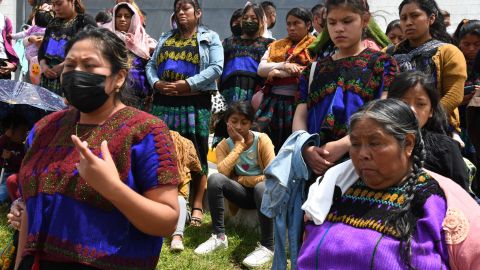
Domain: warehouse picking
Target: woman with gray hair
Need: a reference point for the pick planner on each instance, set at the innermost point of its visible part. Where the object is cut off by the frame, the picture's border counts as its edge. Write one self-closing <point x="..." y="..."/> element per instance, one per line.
<point x="391" y="209"/>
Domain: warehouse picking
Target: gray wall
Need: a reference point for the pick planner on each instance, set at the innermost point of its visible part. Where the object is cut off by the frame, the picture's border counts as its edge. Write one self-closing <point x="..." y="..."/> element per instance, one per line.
<point x="216" y="13"/>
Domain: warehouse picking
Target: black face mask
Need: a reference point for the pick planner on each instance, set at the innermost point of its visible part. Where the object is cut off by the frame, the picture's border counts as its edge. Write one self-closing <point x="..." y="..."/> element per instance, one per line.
<point x="250" y="28"/>
<point x="84" y="91"/>
<point x="236" y="29"/>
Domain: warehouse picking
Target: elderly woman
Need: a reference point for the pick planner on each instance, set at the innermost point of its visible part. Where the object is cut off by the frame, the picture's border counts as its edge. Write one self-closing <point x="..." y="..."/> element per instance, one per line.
<point x="183" y="72"/>
<point x="128" y="27"/>
<point x="392" y="212"/>
<point x="100" y="179"/>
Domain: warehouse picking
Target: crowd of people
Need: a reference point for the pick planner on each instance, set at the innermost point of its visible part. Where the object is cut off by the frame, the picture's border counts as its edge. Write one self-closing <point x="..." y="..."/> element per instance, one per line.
<point x="358" y="148"/>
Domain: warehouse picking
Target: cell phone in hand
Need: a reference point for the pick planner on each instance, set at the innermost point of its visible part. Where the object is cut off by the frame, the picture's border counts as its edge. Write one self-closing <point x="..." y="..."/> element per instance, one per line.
<point x="467" y="90"/>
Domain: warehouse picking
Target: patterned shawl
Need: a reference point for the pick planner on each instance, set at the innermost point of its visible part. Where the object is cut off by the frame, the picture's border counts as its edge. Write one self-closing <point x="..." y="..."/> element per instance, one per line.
<point x="279" y="51"/>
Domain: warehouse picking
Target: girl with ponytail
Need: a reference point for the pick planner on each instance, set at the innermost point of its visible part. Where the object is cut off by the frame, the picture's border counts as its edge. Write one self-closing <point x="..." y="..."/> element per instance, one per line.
<point x="392" y="211"/>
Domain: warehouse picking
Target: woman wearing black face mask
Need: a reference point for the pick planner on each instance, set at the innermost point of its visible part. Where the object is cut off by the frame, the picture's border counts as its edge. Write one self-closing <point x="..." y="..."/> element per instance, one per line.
<point x="109" y="171"/>
<point x="242" y="56"/>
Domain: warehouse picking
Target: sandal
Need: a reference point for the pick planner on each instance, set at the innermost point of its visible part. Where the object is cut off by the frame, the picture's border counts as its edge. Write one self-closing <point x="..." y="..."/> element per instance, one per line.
<point x="196" y="221"/>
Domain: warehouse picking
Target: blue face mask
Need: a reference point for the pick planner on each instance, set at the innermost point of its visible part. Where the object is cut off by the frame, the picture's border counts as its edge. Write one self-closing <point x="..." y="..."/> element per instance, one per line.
<point x="84" y="91"/>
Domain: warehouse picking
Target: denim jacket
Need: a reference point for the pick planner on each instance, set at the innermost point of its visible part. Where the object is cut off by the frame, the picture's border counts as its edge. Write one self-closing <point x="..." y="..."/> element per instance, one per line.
<point x="211" y="60"/>
<point x="285" y="179"/>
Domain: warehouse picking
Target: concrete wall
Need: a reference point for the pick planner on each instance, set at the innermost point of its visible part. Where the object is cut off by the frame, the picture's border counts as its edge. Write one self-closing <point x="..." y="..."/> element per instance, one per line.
<point x="9" y="9"/>
<point x="217" y="12"/>
<point x="458" y="9"/>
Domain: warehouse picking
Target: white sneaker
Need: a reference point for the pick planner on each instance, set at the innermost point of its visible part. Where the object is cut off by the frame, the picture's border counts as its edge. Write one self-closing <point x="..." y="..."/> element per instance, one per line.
<point x="258" y="257"/>
<point x="212" y="244"/>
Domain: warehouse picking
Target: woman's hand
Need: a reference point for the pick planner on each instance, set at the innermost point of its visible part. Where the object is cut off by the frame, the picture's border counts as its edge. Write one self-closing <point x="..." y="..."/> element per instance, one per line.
<point x="100" y="173"/>
<point x="272" y="75"/>
<point x="335" y="151"/>
<point x="14" y="218"/>
<point x="177" y="88"/>
<point x="293" y="69"/>
<point x="9" y="67"/>
<point x="37" y="40"/>
<point x="129" y="38"/>
<point x="234" y="135"/>
<point x="467" y="98"/>
<point x="315" y="157"/>
<point x="58" y="69"/>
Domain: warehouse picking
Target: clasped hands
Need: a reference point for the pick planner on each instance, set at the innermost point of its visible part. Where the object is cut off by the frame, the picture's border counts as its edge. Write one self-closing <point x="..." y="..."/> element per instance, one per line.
<point x="172" y="88"/>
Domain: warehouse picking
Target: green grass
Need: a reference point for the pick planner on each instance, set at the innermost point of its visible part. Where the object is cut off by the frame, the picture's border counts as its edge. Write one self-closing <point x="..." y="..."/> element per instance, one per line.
<point x="241" y="241"/>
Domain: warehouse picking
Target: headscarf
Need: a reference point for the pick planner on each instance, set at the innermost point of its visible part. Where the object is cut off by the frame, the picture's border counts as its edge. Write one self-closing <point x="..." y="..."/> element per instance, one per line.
<point x="136" y="39"/>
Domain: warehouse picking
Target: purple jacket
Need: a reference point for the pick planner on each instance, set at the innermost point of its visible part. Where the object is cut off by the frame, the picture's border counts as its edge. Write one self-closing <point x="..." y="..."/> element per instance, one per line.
<point x="12" y="56"/>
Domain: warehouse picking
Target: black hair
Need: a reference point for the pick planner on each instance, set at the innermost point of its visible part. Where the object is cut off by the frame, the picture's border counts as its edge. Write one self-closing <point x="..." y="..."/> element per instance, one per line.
<point x="392" y="25"/>
<point x="194" y="3"/>
<point x="103" y="17"/>
<point x="79" y="6"/>
<point x="14" y="121"/>
<point x="301" y="13"/>
<point x="241" y="107"/>
<point x="397" y="119"/>
<point x="466" y="27"/>
<point x="358" y="6"/>
<point x="266" y="4"/>
<point x="236" y="14"/>
<point x="406" y="80"/>
<point x="113" y="50"/>
<point x="317" y="8"/>
<point x="437" y="30"/>
<point x="125" y="6"/>
<point x="476" y="66"/>
<point x="43" y="18"/>
<point x="259" y="12"/>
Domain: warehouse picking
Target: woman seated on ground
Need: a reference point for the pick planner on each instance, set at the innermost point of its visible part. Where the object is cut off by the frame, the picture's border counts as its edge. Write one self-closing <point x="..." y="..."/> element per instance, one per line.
<point x="188" y="165"/>
<point x="392" y="212"/>
<point x="241" y="161"/>
<point x="443" y="153"/>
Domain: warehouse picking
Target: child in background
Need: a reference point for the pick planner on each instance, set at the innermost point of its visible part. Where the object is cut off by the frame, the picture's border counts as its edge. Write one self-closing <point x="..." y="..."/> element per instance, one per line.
<point x="32" y="38"/>
<point x="12" y="150"/>
<point x="241" y="160"/>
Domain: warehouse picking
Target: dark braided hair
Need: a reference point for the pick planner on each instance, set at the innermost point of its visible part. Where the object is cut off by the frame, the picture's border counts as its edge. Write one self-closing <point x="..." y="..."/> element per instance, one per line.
<point x="398" y="120"/>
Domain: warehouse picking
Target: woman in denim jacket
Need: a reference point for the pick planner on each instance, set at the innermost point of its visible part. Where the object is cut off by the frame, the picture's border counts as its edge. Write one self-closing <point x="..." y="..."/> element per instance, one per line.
<point x="182" y="71"/>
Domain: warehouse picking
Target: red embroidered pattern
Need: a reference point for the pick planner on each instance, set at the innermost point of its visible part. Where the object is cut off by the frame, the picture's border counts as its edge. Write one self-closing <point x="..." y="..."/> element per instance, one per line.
<point x="49" y="165"/>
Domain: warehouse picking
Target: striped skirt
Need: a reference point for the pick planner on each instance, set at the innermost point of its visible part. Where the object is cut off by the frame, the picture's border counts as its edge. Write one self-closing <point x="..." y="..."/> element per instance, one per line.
<point x="189" y="116"/>
<point x="275" y="117"/>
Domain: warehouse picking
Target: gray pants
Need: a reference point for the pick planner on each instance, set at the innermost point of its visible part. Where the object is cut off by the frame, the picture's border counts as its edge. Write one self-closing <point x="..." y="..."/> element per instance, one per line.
<point x="182" y="217"/>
